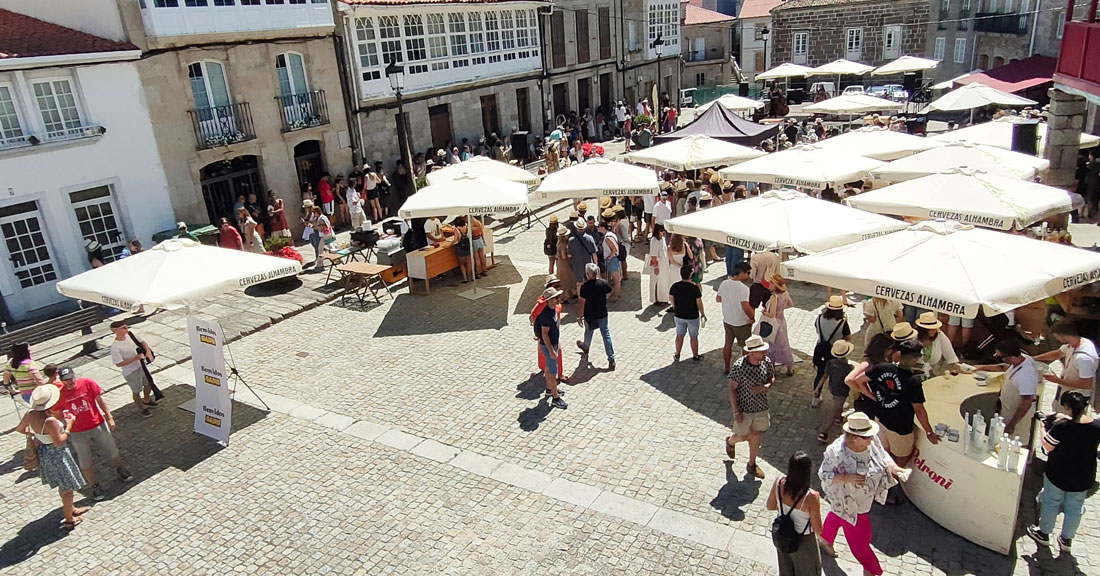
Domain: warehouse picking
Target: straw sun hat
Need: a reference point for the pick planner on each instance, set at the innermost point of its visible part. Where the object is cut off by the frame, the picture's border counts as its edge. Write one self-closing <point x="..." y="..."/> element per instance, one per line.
<point x="928" y="321"/>
<point x="756" y="344"/>
<point x="859" y="424"/>
<point x="44" y="397"/>
<point x="835" y="303"/>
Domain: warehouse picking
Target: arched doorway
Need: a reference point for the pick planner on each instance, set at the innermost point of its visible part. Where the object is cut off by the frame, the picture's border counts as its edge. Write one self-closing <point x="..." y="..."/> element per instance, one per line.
<point x="223" y="181"/>
<point x="309" y="163"/>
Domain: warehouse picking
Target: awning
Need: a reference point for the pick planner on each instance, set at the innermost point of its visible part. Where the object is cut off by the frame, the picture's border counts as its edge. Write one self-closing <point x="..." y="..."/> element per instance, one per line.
<point x="1016" y="76"/>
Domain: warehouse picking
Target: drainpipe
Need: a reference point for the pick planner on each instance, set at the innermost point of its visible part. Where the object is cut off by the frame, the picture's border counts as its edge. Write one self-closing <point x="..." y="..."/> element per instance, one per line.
<point x="1034" y="18"/>
<point x="545" y="72"/>
<point x="351" y="96"/>
<point x="622" y="52"/>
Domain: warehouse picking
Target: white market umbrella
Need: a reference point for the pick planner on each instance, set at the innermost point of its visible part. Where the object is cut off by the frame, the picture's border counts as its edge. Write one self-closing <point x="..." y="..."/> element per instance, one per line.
<point x="969" y="197"/>
<point x="598" y="177"/>
<point x="840" y="67"/>
<point x="174" y="274"/>
<point x="853" y="104"/>
<point x="905" y="64"/>
<point x="948" y="84"/>
<point x="787" y="70"/>
<point x="781" y="219"/>
<point x="467" y="195"/>
<point x="951" y="268"/>
<point x="976" y="95"/>
<point x="804" y="166"/>
<point x="959" y="155"/>
<point x="998" y="133"/>
<point x="733" y="103"/>
<point x="878" y="143"/>
<point x="694" y="152"/>
<point x="483" y="166"/>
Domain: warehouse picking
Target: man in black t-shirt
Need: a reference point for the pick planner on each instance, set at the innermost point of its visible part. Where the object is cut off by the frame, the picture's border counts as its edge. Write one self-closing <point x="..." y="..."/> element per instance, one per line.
<point x="592" y="311"/>
<point x="1071" y="445"/>
<point x="547" y="331"/>
<point x="687" y="303"/>
<point x="899" y="397"/>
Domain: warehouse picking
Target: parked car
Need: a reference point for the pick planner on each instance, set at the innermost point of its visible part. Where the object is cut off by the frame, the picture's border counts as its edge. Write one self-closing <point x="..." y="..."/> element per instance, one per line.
<point x="851" y="90"/>
<point x="896" y="92"/>
<point x="878" y="92"/>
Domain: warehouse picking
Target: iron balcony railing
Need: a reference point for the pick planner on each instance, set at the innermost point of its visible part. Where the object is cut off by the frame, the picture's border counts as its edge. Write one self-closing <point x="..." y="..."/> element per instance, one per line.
<point x="305" y="110"/>
<point x="1001" y="23"/>
<point x="222" y="125"/>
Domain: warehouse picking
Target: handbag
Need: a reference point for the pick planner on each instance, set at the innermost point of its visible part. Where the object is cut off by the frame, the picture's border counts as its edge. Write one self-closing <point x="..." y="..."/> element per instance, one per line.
<point x="30" y="456"/>
<point x="766" y="328"/>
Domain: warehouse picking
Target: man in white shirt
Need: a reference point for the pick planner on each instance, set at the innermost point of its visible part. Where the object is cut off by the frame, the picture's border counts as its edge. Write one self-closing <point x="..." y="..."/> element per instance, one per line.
<point x="662" y="210"/>
<point x="433" y="229"/>
<point x="1079" y="361"/>
<point x="355" y="206"/>
<point x="737" y="314"/>
<point x="124" y="354"/>
<point x="1019" y="390"/>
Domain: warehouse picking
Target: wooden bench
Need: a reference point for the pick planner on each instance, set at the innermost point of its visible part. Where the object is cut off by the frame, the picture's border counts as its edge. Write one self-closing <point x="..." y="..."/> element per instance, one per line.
<point x="80" y="321"/>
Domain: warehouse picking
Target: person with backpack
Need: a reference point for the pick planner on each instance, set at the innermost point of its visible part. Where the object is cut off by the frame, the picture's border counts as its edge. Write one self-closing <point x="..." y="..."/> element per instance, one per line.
<point x="830" y="326"/>
<point x="799" y="520"/>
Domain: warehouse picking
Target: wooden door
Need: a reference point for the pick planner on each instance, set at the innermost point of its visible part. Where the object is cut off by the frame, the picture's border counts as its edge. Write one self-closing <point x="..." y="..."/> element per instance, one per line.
<point x="440" y="119"/>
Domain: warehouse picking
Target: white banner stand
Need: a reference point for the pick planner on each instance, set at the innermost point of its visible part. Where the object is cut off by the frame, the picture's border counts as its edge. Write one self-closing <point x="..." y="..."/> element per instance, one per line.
<point x="213" y="404"/>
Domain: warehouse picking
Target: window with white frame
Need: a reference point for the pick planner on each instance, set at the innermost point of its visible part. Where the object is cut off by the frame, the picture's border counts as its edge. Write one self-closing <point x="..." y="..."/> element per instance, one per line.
<point x="1061" y="29"/>
<point x="365" y="43"/>
<point x="415" y="50"/>
<point x="508" y="34"/>
<point x="801" y="49"/>
<point x="854" y="43"/>
<point x="492" y="35"/>
<point x="664" y="21"/>
<point x="57" y="105"/>
<point x="993" y="6"/>
<point x="945" y="7"/>
<point x="966" y="6"/>
<point x="1024" y="7"/>
<point x="940" y="48"/>
<point x="457" y="23"/>
<point x="1010" y="6"/>
<point x="477" y="38"/>
<point x="632" y="36"/>
<point x="891" y="41"/>
<point x="208" y="84"/>
<point x="758" y="32"/>
<point x="389" y="32"/>
<point x="523" y="39"/>
<point x="437" y="42"/>
<point x="292" y="74"/>
<point x="11" y="129"/>
<point x="960" y="50"/>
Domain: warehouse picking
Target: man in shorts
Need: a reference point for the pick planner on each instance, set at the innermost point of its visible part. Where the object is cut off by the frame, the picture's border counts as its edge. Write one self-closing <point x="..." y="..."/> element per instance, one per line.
<point x="899" y="397"/>
<point x="547" y="331"/>
<point x="749" y="380"/>
<point x="737" y="314"/>
<point x="124" y="354"/>
<point x="93" y="424"/>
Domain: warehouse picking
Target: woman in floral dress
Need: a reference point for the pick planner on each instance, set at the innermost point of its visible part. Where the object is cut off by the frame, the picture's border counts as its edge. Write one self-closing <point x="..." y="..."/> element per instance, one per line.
<point x="780" y="350"/>
<point x="56" y="466"/>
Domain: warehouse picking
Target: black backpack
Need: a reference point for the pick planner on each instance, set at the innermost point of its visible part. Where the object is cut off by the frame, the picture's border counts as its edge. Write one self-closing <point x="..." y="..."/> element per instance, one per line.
<point x="784" y="536"/>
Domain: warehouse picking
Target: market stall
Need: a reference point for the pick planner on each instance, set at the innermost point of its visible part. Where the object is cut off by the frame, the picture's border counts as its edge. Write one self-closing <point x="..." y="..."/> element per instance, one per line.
<point x="694" y="152"/>
<point x="852" y="104"/>
<point x="733" y="103"/>
<point x="998" y="133"/>
<point x="879" y="143"/>
<point x="597" y="177"/>
<point x="804" y="166"/>
<point x="961" y="154"/>
<point x="976" y="95"/>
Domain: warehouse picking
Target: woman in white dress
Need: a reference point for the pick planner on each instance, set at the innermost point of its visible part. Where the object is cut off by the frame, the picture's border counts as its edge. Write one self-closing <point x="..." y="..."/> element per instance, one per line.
<point x="253" y="242"/>
<point x="660" y="270"/>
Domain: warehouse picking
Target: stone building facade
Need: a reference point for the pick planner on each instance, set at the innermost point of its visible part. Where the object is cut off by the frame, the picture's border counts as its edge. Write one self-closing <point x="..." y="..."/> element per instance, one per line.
<point x="706" y="47"/>
<point x="815" y="32"/>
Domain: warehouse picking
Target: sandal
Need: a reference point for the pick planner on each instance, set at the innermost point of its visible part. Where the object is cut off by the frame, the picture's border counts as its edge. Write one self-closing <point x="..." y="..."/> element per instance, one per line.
<point x="70" y="524"/>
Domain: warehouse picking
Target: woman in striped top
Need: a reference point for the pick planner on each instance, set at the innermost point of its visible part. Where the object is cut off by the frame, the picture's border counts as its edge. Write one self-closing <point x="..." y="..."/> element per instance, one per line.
<point x="21" y="372"/>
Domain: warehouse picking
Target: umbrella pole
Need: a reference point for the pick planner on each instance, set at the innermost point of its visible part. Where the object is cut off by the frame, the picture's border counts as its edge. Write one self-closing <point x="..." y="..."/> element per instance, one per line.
<point x="473" y="260"/>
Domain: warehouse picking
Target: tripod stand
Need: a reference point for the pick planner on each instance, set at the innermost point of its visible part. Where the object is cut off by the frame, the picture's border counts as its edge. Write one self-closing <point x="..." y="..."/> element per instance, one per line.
<point x="235" y="374"/>
<point x="519" y="215"/>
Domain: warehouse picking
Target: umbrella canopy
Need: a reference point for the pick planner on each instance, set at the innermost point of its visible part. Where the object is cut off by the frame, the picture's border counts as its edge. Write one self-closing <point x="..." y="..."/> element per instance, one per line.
<point x="466" y="195"/>
<point x="905" y="64"/>
<point x="960" y="154"/>
<point x="734" y="103"/>
<point x="970" y="197"/>
<point x="787" y="70"/>
<point x="998" y="133"/>
<point x="174" y="274"/>
<point x="783" y="219"/>
<point x="975" y="96"/>
<point x="805" y="166"/>
<point x="694" y="152"/>
<point x="853" y="104"/>
<point x="598" y="177"/>
<point x="841" y="66"/>
<point x="483" y="166"/>
<point x="878" y="143"/>
<point x="951" y="268"/>
<point x="948" y="84"/>
<point x="718" y="122"/>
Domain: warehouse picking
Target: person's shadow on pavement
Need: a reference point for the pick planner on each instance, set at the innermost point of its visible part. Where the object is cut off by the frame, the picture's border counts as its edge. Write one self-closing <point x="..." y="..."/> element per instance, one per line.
<point x="735" y="494"/>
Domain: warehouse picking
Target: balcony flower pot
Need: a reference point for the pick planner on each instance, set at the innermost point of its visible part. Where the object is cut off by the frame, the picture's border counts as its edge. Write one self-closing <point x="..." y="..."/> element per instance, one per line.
<point x="34" y="141"/>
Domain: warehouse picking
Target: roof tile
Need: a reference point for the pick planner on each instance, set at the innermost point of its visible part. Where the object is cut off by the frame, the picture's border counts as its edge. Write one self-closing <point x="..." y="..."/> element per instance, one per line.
<point x="402" y="2"/>
<point x="757" y="8"/>
<point x="25" y="37"/>
<point x="697" y="15"/>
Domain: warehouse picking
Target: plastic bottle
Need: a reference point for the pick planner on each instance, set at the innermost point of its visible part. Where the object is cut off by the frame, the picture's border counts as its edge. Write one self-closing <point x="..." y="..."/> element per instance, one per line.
<point x="1014" y="453"/>
<point x="1002" y="453"/>
<point x="977" y="440"/>
<point x="966" y="431"/>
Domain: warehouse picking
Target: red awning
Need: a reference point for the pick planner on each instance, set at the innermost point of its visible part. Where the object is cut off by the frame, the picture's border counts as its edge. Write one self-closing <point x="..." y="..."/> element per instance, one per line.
<point x="1016" y="76"/>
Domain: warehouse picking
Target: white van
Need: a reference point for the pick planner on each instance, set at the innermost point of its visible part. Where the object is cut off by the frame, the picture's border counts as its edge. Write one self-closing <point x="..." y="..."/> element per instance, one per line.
<point x="830" y="89"/>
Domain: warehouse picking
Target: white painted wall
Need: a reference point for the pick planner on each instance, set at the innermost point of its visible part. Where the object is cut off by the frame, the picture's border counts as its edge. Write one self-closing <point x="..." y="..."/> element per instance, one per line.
<point x="750" y="46"/>
<point x="98" y="17"/>
<point x="125" y="157"/>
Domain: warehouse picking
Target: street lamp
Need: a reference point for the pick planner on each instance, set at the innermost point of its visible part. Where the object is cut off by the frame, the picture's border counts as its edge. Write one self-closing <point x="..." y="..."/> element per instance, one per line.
<point x="764" y="34"/>
<point x="658" y="45"/>
<point x="396" y="75"/>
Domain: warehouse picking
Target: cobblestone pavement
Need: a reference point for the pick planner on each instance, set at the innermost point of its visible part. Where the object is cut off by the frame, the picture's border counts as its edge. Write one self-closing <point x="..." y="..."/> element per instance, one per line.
<point x="291" y="496"/>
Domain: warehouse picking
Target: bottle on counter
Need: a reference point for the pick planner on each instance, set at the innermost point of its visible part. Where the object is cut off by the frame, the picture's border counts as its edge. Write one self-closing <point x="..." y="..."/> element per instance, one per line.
<point x="1014" y="453"/>
<point x="966" y="432"/>
<point x="977" y="436"/>
<point x="1003" y="448"/>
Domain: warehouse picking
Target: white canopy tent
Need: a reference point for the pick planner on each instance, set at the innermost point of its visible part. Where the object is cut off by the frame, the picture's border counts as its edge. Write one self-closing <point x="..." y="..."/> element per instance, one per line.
<point x="483" y="166"/>
<point x="976" y="95"/>
<point x="998" y="133"/>
<point x="840" y="67"/>
<point x="970" y="197"/>
<point x="693" y="152"/>
<point x="598" y="177"/>
<point x="951" y="268"/>
<point x="467" y="195"/>
<point x="851" y="104"/>
<point x="733" y="103"/>
<point x="174" y="274"/>
<point x="958" y="155"/>
<point x="804" y="166"/>
<point x="948" y="84"/>
<point x="905" y="64"/>
<point x="878" y="143"/>
<point x="781" y="219"/>
<point x="786" y="70"/>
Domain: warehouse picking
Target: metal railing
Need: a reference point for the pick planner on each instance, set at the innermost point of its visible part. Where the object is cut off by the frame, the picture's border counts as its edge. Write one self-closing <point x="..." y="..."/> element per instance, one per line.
<point x="222" y="125"/>
<point x="1001" y="23"/>
<point x="305" y="110"/>
<point x="964" y="20"/>
<point x="31" y="139"/>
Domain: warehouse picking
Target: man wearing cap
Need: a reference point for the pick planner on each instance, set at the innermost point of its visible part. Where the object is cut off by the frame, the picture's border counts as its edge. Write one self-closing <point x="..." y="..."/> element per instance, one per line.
<point x="93" y="424"/>
<point x="592" y="313"/>
<point x="582" y="250"/>
<point x="547" y="332"/>
<point x="124" y="354"/>
<point x="182" y="232"/>
<point x="737" y="314"/>
<point x="749" y="380"/>
<point x="1079" y="362"/>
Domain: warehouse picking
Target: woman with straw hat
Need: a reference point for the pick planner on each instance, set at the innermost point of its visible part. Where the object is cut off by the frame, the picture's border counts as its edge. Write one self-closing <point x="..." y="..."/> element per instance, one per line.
<point x="780" y="350"/>
<point x="56" y="466"/>
<point x="939" y="355"/>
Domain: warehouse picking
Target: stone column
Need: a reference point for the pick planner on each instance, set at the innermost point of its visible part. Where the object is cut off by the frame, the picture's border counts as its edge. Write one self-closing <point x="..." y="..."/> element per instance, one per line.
<point x="1065" y="122"/>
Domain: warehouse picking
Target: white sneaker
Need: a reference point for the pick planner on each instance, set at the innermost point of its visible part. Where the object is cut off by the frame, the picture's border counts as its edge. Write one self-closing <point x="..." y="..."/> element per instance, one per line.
<point x="815" y="402"/>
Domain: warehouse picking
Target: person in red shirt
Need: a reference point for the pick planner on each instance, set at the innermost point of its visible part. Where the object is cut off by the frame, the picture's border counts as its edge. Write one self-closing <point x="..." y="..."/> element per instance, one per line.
<point x="324" y="187"/>
<point x="228" y="237"/>
<point x="93" y="424"/>
<point x="540" y="305"/>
